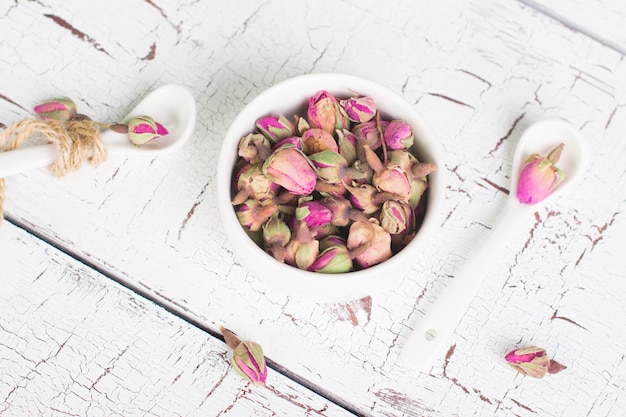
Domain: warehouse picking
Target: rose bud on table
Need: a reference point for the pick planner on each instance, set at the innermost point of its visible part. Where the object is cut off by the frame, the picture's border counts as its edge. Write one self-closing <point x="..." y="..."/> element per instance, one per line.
<point x="532" y="361"/>
<point x="248" y="359"/>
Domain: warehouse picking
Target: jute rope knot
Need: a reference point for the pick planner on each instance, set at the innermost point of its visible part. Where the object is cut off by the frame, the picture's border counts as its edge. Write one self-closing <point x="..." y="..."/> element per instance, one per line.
<point x="77" y="140"/>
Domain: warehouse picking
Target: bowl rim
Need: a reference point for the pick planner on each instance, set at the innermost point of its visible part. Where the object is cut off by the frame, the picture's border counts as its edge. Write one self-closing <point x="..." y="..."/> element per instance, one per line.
<point x="315" y="285"/>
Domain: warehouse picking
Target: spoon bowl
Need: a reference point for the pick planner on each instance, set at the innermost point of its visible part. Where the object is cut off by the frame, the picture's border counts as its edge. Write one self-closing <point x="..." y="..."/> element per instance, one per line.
<point x="432" y="333"/>
<point x="541" y="137"/>
<point x="171" y="105"/>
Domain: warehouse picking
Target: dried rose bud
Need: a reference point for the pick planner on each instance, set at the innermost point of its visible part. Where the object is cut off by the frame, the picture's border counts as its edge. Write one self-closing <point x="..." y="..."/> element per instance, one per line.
<point x="323" y="112"/>
<point x="293" y="140"/>
<point x="323" y="231"/>
<point x="248" y="359"/>
<point x="418" y="187"/>
<point x="326" y="188"/>
<point x="253" y="214"/>
<point x="291" y="169"/>
<point x="302" y="125"/>
<point x="61" y="109"/>
<point x="342" y="210"/>
<point x="317" y="140"/>
<point x="346" y="142"/>
<point x="254" y="148"/>
<point x="371" y="240"/>
<point x="402" y="158"/>
<point x="359" y="109"/>
<point x="368" y="133"/>
<point x="143" y="129"/>
<point x="396" y="216"/>
<point x="303" y="248"/>
<point x="331" y="240"/>
<point x="333" y="260"/>
<point x="394" y="181"/>
<point x="539" y="177"/>
<point x="398" y="135"/>
<point x="364" y="168"/>
<point x="329" y="165"/>
<point x="251" y="182"/>
<point x="313" y="213"/>
<point x="276" y="235"/>
<point x="532" y="361"/>
<point x="275" y="128"/>
<point x="363" y="197"/>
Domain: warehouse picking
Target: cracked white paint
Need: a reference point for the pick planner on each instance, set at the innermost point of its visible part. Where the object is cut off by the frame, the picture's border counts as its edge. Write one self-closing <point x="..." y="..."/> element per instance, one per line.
<point x="73" y="342"/>
<point x="479" y="71"/>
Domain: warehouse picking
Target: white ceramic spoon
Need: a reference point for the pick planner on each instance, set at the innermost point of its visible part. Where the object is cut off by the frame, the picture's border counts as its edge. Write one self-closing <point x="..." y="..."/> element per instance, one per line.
<point x="432" y="332"/>
<point x="171" y="105"/>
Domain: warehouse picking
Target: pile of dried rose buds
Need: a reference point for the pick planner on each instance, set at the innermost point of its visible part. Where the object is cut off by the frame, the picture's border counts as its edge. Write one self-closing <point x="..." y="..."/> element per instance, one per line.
<point x="334" y="191"/>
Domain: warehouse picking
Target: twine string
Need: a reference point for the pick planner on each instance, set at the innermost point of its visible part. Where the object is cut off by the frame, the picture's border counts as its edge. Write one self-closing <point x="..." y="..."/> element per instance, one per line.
<point x="77" y="141"/>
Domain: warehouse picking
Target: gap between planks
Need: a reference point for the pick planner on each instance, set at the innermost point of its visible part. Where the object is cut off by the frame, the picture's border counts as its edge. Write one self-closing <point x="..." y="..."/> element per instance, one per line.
<point x="576" y="27"/>
<point x="171" y="307"/>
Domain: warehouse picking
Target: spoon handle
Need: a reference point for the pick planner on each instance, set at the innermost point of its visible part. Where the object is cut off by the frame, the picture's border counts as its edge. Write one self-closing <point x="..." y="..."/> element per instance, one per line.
<point x="433" y="331"/>
<point x="23" y="159"/>
<point x="38" y="156"/>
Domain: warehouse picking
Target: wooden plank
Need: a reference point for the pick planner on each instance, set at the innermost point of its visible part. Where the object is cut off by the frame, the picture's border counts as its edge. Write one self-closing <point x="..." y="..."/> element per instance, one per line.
<point x="601" y="19"/>
<point x="72" y="342"/>
<point x="479" y="72"/>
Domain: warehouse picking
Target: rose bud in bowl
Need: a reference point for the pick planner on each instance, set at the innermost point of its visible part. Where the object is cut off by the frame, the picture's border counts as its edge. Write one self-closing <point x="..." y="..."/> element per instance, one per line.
<point x="328" y="186"/>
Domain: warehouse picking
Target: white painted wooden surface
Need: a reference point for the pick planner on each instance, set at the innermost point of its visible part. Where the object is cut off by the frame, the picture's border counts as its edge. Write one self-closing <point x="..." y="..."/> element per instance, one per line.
<point x="601" y="19"/>
<point x="73" y="342"/>
<point x="478" y="71"/>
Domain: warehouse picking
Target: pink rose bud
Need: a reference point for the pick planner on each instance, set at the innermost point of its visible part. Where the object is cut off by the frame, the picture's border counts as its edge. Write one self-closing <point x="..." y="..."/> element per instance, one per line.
<point x="251" y="182"/>
<point x="331" y="240"/>
<point x="302" y="125"/>
<point x="342" y="210"/>
<point x="302" y="249"/>
<point x="347" y="145"/>
<point x="394" y="181"/>
<point x="313" y="213"/>
<point x="418" y="187"/>
<point x="61" y="109"/>
<point x="330" y="166"/>
<point x="368" y="133"/>
<point x="254" y="148"/>
<point x="317" y="140"/>
<point x="333" y="260"/>
<point x="539" y="177"/>
<point x="248" y="359"/>
<point x="275" y="128"/>
<point x="402" y="158"/>
<point x="398" y="135"/>
<point x="396" y="216"/>
<point x="323" y="113"/>
<point x="291" y="169"/>
<point x="363" y="197"/>
<point x="371" y="241"/>
<point x="143" y="129"/>
<point x="359" y="109"/>
<point x="532" y="361"/>
<point x="253" y="214"/>
<point x="292" y="140"/>
<point x="323" y="231"/>
<point x="276" y="235"/>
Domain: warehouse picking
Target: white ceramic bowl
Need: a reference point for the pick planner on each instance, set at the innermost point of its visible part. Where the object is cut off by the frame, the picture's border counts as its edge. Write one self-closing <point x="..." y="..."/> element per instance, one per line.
<point x="290" y="97"/>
